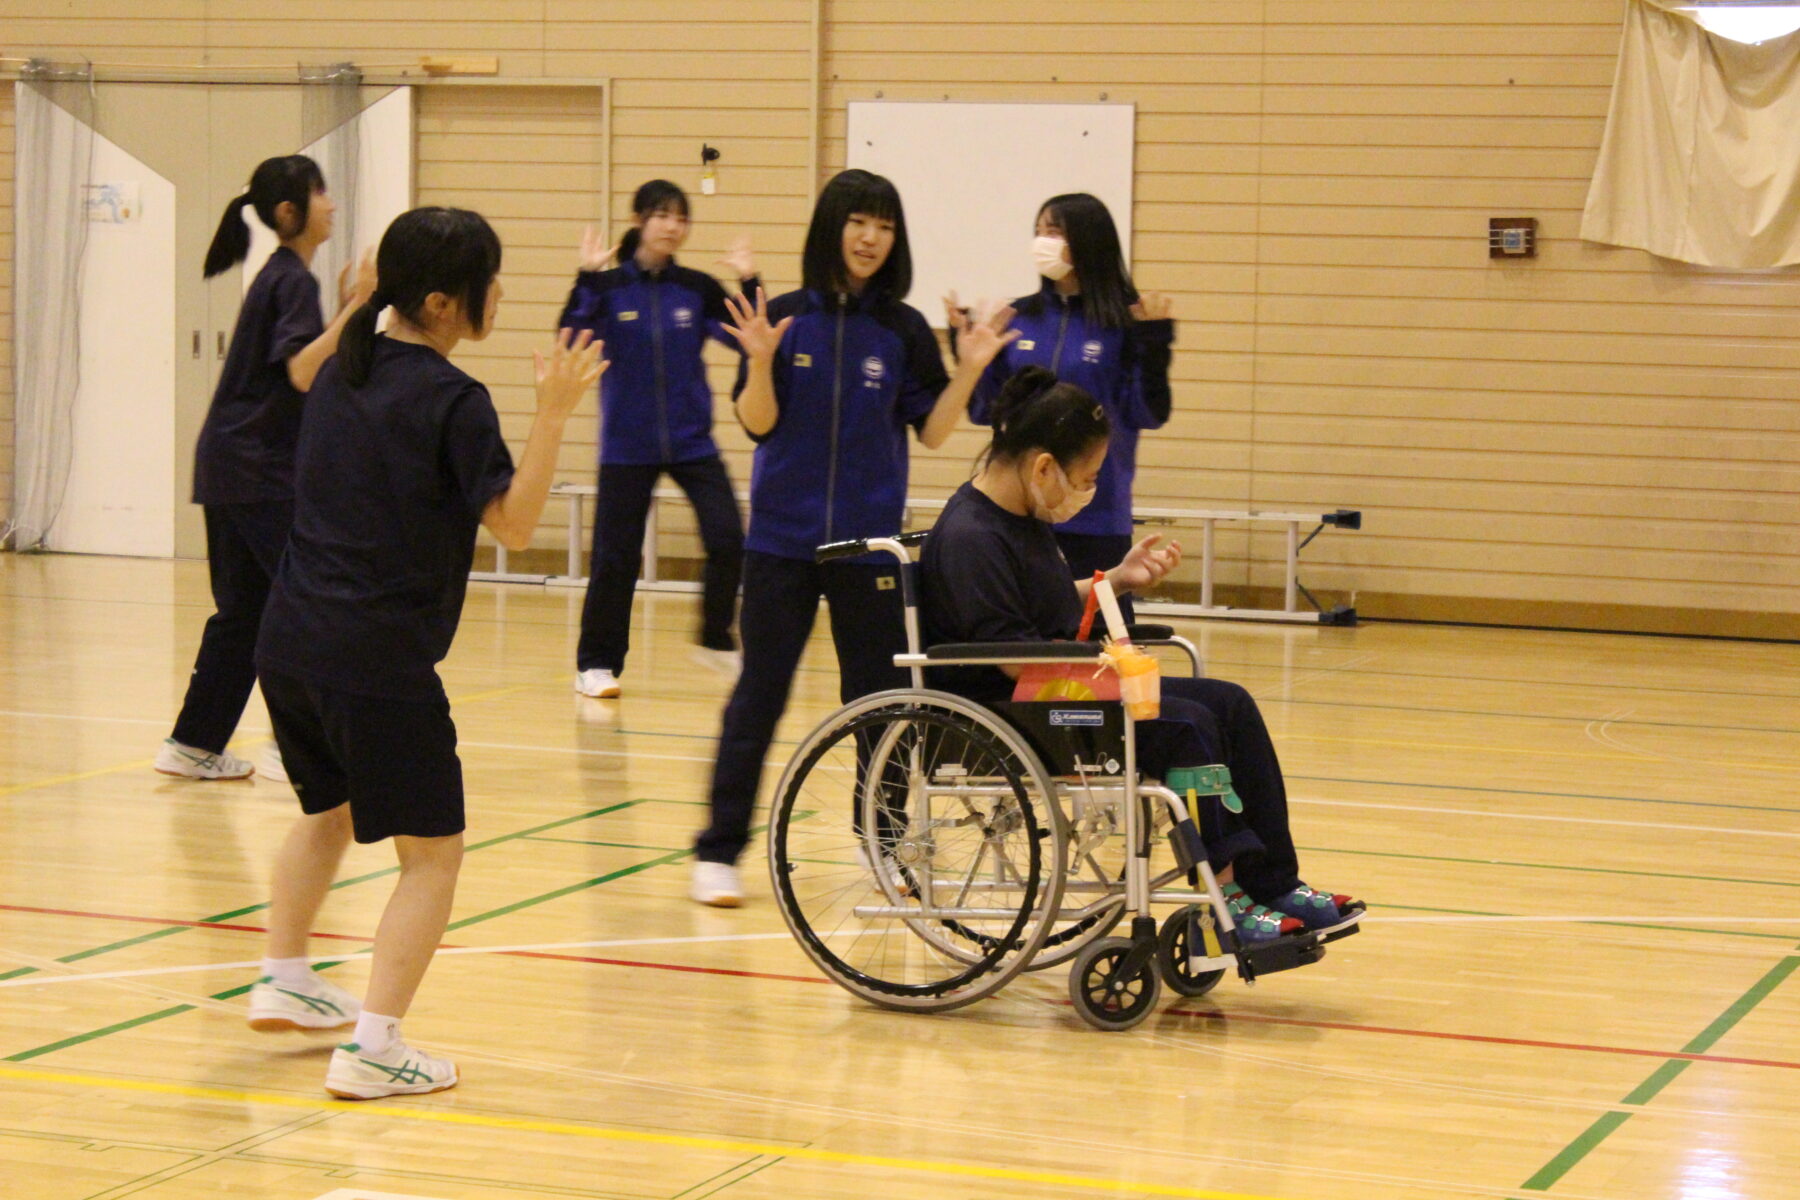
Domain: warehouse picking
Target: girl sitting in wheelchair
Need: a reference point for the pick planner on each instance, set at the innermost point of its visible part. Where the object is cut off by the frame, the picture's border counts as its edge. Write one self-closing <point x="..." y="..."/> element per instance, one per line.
<point x="992" y="572"/>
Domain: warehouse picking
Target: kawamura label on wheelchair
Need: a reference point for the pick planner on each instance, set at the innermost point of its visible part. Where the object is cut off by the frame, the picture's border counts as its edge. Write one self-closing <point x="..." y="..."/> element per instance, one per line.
<point x="1073" y="738"/>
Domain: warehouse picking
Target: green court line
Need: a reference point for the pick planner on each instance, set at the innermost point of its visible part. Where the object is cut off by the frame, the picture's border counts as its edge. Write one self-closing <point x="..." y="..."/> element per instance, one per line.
<point x="1590" y="1138"/>
<point x="1504" y="715"/>
<point x="342" y="883"/>
<point x="731" y="1183"/>
<point x="1475" y="912"/>
<point x="1494" y="862"/>
<point x="233" y="993"/>
<point x="614" y="845"/>
<point x="1458" y="787"/>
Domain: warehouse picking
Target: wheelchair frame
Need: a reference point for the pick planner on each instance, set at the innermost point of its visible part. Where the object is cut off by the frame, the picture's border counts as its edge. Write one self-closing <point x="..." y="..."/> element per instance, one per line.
<point x="1114" y="982"/>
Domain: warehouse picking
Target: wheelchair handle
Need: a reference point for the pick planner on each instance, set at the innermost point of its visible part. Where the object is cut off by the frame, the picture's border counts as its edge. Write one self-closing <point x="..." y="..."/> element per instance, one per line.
<point x="857" y="547"/>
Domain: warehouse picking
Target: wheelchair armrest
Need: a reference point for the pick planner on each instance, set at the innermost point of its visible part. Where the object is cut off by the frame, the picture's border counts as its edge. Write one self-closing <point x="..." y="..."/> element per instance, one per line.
<point x="1150" y="633"/>
<point x="969" y="653"/>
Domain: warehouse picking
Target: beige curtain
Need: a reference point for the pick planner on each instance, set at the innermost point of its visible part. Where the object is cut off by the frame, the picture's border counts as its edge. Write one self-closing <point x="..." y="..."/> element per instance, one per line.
<point x="1701" y="159"/>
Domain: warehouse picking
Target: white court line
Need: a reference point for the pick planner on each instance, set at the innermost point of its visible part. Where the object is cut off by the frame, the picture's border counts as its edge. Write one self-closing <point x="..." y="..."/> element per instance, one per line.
<point x="50" y="979"/>
<point x="247" y="964"/>
<point x="1514" y="816"/>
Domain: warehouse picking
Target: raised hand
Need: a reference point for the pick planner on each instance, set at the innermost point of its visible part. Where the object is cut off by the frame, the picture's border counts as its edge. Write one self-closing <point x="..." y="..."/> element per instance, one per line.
<point x="956" y="313"/>
<point x="981" y="341"/>
<point x="1152" y="306"/>
<point x="596" y="254"/>
<point x="356" y="290"/>
<point x="1145" y="564"/>
<point x="573" y="367"/>
<point x="741" y="259"/>
<point x="753" y="332"/>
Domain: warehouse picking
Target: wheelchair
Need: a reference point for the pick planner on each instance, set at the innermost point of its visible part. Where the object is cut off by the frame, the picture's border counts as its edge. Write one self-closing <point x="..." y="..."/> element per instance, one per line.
<point x="925" y="849"/>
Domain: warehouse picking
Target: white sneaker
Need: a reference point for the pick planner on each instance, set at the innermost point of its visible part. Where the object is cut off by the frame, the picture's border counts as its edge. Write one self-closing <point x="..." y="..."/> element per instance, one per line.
<point x="717" y="884"/>
<point x="322" y="1004"/>
<point x="189" y="763"/>
<point x="399" y="1070"/>
<point x="272" y="768"/>
<point x="729" y="663"/>
<point x="598" y="683"/>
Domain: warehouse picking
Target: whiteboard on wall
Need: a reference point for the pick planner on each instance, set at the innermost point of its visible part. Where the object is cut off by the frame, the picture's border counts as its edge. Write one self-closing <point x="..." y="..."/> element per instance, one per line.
<point x="973" y="176"/>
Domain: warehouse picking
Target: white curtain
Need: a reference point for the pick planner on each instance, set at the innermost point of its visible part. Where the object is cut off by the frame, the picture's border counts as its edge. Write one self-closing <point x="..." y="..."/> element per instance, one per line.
<point x="1701" y="159"/>
<point x="54" y="167"/>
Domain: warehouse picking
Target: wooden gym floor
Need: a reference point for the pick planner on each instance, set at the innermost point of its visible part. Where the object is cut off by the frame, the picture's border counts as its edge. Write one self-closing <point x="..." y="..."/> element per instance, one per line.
<point x="1576" y="978"/>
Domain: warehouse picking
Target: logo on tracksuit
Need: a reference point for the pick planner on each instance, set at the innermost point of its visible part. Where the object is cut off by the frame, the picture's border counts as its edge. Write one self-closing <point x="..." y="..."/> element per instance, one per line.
<point x="684" y="318"/>
<point x="1090" y="351"/>
<point x="873" y="371"/>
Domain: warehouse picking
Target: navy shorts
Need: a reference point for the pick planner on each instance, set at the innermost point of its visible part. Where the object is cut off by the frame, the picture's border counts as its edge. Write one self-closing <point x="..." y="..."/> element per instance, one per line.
<point x="392" y="761"/>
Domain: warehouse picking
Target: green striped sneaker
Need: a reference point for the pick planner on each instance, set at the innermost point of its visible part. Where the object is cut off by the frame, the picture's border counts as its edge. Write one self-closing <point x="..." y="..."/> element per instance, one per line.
<point x="321" y="1004"/>
<point x="399" y="1070"/>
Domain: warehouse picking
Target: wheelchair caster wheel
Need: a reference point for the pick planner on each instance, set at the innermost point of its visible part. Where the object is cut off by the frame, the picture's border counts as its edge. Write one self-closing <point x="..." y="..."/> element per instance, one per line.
<point x="1172" y="957"/>
<point x="1106" y="994"/>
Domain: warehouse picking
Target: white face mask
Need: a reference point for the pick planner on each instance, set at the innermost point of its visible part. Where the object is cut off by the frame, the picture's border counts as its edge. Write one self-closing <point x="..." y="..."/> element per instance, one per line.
<point x="1048" y="254"/>
<point x="1072" y="502"/>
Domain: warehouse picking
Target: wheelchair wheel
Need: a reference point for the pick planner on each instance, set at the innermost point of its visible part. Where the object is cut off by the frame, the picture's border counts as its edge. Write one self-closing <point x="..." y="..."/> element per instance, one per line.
<point x="916" y="851"/>
<point x="1107" y="995"/>
<point x="1172" y="957"/>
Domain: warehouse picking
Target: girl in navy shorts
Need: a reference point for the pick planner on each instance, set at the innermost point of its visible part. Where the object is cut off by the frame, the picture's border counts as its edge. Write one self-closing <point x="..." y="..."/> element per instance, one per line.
<point x="244" y="463"/>
<point x="993" y="572"/>
<point x="400" y="460"/>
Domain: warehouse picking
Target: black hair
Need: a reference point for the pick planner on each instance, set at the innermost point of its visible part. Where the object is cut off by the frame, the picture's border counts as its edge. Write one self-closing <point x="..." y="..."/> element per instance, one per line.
<point x="850" y="192"/>
<point x="1098" y="257"/>
<point x="448" y="250"/>
<point x="1036" y="412"/>
<point x="655" y="195"/>
<point x="293" y="178"/>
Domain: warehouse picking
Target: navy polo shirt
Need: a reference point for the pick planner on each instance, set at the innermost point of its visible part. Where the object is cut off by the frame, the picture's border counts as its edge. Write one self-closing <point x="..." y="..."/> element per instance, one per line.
<point x="246" y="449"/>
<point x="988" y="575"/>
<point x="391" y="481"/>
<point x="851" y="374"/>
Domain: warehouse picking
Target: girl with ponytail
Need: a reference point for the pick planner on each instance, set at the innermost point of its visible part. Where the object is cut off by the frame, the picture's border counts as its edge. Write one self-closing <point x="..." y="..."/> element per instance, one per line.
<point x="993" y="571"/>
<point x="656" y="417"/>
<point x="400" y="460"/>
<point x="244" y="463"/>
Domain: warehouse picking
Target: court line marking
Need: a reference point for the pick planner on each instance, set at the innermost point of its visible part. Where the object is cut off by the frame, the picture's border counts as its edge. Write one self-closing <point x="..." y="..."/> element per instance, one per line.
<point x="545" y="949"/>
<point x="1535" y="752"/>
<point x="1590" y="1138"/>
<point x="447" y="1116"/>
<point x="1516" y="816"/>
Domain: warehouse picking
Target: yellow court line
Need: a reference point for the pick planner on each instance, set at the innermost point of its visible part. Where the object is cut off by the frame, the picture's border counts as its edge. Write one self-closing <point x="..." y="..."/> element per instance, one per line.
<point x="602" y="1133"/>
<point x="140" y="763"/>
<point x="1527" y="750"/>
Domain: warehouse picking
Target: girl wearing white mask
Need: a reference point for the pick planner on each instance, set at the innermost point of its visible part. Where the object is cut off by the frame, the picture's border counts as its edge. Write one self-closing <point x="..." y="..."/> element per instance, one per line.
<point x="993" y="572"/>
<point x="1088" y="325"/>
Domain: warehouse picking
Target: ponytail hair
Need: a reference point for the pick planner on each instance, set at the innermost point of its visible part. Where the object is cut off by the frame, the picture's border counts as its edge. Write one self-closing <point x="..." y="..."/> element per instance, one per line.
<point x="1035" y="412"/>
<point x="448" y="250"/>
<point x="651" y="198"/>
<point x="292" y="178"/>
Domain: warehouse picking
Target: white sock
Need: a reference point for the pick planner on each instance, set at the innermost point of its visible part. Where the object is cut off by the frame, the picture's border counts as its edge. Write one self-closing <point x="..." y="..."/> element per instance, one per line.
<point x="289" y="972"/>
<point x="375" y="1033"/>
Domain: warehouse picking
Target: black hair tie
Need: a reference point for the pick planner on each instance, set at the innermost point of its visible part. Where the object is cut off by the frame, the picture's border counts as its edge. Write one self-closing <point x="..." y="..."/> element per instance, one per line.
<point x="378" y="300"/>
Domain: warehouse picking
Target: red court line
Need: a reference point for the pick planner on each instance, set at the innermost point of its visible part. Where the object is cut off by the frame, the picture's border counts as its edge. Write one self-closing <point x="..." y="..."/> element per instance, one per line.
<point x="1249" y="1018"/>
<point x="1477" y="1037"/>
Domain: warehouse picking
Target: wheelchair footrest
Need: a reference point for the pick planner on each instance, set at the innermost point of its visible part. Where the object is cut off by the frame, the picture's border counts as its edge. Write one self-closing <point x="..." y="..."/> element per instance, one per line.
<point x="1282" y="955"/>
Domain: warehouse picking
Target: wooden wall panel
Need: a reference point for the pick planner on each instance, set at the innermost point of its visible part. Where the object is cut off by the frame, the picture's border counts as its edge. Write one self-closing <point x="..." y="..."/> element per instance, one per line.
<point x="7" y="418"/>
<point x="1595" y="427"/>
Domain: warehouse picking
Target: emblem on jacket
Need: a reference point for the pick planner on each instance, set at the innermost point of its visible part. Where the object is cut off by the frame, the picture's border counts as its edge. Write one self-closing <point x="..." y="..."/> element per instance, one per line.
<point x="873" y="370"/>
<point x="684" y="318"/>
<point x="1090" y="351"/>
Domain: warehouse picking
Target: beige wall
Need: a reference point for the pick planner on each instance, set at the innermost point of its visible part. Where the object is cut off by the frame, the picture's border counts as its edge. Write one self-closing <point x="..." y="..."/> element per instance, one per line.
<point x="1595" y="437"/>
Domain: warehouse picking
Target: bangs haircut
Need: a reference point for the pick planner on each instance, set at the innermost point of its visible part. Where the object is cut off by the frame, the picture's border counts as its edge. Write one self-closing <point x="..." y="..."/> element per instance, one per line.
<point x="1098" y="256"/>
<point x="849" y="193"/>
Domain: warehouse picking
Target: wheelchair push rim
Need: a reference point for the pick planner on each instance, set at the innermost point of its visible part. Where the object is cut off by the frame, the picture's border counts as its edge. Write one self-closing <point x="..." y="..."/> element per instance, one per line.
<point x="916" y="850"/>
